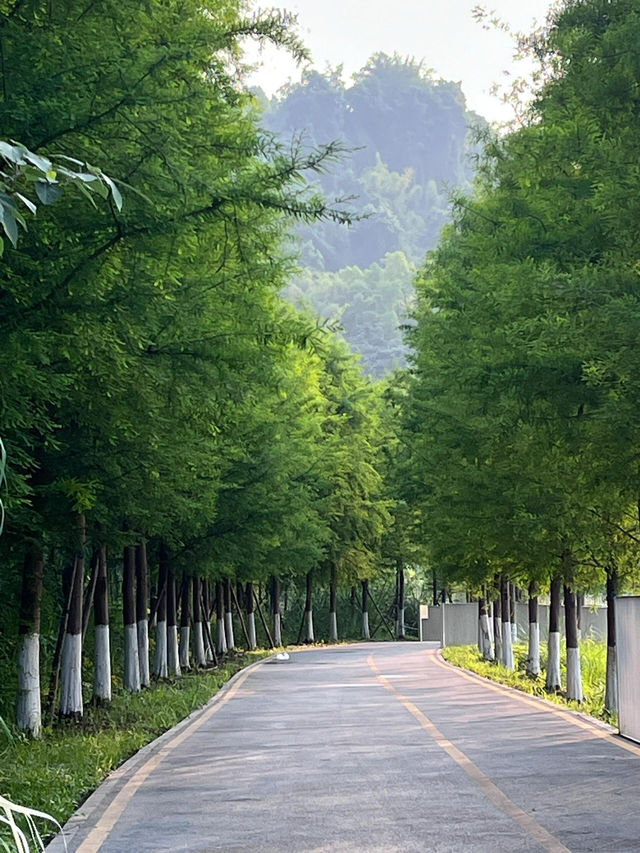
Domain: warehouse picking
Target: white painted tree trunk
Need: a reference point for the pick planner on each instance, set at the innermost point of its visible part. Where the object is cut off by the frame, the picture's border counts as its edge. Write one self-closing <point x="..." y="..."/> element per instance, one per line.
<point x="253" y="641"/>
<point x="514" y="633"/>
<point x="131" y="662"/>
<point x="29" y="716"/>
<point x="208" y="640"/>
<point x="71" y="675"/>
<point x="366" y="634"/>
<point x="533" y="659"/>
<point x="309" y="636"/>
<point x="221" y="637"/>
<point x="102" y="677"/>
<point x="143" y="652"/>
<point x="400" y="623"/>
<point x="173" y="660"/>
<point x="611" y="683"/>
<point x="486" y="647"/>
<point x="185" y="639"/>
<point x="160" y="657"/>
<point x="228" y="629"/>
<point x="553" y="681"/>
<point x="507" y="646"/>
<point x="574" y="675"/>
<point x="333" y="627"/>
<point x="198" y="644"/>
<point x="497" y="640"/>
<point x="277" y="629"/>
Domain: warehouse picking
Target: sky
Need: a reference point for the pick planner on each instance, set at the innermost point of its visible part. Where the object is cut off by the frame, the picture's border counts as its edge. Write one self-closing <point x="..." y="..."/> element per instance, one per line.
<point x="443" y="33"/>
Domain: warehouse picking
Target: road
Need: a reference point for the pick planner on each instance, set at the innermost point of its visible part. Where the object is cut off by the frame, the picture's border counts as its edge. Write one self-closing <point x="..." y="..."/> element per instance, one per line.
<point x="371" y="747"/>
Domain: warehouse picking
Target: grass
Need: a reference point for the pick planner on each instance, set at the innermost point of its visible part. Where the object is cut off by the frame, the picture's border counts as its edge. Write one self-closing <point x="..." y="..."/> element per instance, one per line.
<point x="593" y="656"/>
<point x="57" y="773"/>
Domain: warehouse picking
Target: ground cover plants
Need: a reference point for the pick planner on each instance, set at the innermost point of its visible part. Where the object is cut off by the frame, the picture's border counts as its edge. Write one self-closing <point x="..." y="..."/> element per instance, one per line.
<point x="58" y="771"/>
<point x="593" y="656"/>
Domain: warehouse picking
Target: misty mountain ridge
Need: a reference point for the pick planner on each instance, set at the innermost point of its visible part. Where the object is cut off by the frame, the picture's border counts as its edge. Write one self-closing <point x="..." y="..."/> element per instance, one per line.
<point x="409" y="142"/>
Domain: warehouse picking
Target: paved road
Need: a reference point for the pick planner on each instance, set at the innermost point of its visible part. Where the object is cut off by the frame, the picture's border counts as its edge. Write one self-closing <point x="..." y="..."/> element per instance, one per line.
<point x="371" y="747"/>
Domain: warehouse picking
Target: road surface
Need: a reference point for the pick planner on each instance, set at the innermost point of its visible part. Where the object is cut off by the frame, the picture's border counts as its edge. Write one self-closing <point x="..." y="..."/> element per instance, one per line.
<point x="371" y="747"/>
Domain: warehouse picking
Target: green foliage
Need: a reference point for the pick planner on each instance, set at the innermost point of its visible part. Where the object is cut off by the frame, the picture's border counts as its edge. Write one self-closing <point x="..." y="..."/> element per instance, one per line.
<point x="521" y="412"/>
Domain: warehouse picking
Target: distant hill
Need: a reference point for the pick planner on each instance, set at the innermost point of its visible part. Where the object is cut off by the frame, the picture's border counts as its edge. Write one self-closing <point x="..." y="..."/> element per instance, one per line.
<point x="409" y="135"/>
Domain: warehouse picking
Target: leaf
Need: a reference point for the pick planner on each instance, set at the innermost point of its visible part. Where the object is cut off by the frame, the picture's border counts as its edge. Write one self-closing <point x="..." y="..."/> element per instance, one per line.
<point x="9" y="223"/>
<point x="47" y="193"/>
<point x="11" y="152"/>
<point x="86" y="192"/>
<point x="69" y="159"/>
<point x="101" y="189"/>
<point x="27" y="203"/>
<point x="42" y="163"/>
<point x="115" y="192"/>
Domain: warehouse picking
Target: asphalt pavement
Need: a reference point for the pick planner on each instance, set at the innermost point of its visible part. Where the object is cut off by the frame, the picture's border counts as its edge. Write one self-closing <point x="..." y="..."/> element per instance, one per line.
<point x="368" y="748"/>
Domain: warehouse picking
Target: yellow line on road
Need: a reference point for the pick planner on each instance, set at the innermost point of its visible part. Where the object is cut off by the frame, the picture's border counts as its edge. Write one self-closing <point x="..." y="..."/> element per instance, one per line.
<point x="533" y="829"/>
<point x="538" y="703"/>
<point x="98" y="835"/>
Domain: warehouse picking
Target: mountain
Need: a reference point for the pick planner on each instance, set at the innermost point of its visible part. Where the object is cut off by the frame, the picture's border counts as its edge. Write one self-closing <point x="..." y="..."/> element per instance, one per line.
<point x="409" y="142"/>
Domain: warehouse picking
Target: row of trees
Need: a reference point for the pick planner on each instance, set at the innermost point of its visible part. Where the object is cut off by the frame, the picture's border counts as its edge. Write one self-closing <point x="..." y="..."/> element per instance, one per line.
<point x="521" y="411"/>
<point x="166" y="413"/>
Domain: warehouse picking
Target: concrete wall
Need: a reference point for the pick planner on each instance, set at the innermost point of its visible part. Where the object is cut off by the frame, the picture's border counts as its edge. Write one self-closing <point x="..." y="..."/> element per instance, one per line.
<point x="628" y="645"/>
<point x="460" y="626"/>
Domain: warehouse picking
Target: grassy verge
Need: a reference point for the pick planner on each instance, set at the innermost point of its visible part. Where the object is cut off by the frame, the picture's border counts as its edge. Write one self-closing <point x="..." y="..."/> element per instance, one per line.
<point x="593" y="657"/>
<point x="58" y="772"/>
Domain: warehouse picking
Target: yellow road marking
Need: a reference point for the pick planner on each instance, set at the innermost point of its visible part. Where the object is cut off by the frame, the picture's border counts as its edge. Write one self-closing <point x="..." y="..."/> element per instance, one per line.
<point x="538" y="703"/>
<point x="533" y="829"/>
<point x="98" y="835"/>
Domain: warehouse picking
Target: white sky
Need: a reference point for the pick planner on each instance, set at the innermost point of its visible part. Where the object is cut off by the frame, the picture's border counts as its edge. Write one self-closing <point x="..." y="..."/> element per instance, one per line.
<point x="440" y="32"/>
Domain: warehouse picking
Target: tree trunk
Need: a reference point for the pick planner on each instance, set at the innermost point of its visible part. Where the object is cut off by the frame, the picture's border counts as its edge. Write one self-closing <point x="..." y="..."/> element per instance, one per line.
<point x="611" y="682"/>
<point x="400" y="632"/>
<point x="553" y="681"/>
<point x="275" y="606"/>
<point x="251" y="616"/>
<point x="264" y="622"/>
<point x="142" y="621"/>
<point x="533" y="658"/>
<point x="308" y="610"/>
<point x="574" y="670"/>
<point x="131" y="660"/>
<point x="434" y="587"/>
<point x="102" y="677"/>
<point x="185" y="622"/>
<point x="485" y="629"/>
<point x="87" y="605"/>
<point x="497" y="625"/>
<point x="228" y="616"/>
<point x="579" y="606"/>
<point x="198" y="636"/>
<point x="366" y="635"/>
<point x="160" y="657"/>
<point x="173" y="657"/>
<point x="71" y="671"/>
<point x="207" y="606"/>
<point x="333" y="617"/>
<point x="507" y="644"/>
<point x="29" y="712"/>
<point x="512" y="613"/>
<point x="221" y="634"/>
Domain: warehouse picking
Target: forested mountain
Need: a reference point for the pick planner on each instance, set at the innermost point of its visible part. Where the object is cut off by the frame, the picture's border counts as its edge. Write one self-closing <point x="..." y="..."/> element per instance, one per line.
<point x="408" y="142"/>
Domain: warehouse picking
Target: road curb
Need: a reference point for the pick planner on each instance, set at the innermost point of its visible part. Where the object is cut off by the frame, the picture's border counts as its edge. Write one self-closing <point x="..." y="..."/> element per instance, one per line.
<point x="546" y="703"/>
<point x="93" y="807"/>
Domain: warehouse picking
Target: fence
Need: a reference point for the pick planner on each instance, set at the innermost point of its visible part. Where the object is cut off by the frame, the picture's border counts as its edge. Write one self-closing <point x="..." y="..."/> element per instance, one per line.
<point x="457" y="624"/>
